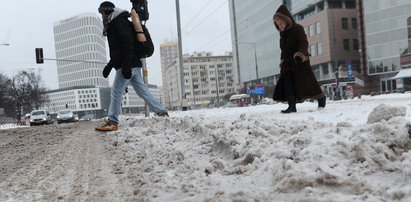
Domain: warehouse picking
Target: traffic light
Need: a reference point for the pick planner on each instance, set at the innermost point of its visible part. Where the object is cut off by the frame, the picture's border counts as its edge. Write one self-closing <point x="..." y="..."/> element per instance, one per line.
<point x="141" y="8"/>
<point x="39" y="56"/>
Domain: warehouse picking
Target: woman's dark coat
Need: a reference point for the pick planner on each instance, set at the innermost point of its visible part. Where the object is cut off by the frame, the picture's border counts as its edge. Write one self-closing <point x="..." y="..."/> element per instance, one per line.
<point x="293" y="42"/>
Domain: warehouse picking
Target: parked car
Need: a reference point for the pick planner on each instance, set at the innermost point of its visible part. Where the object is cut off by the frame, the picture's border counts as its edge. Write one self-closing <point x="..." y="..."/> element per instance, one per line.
<point x="87" y="117"/>
<point x="66" y="115"/>
<point x="39" y="117"/>
<point x="240" y="100"/>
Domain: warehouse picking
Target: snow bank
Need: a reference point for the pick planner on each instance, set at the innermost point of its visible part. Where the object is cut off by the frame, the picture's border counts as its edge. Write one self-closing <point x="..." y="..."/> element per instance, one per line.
<point x="385" y="112"/>
<point x="253" y="156"/>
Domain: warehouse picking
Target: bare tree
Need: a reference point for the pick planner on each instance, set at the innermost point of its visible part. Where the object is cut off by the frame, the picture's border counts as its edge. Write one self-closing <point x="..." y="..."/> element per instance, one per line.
<point x="37" y="92"/>
<point x="26" y="92"/>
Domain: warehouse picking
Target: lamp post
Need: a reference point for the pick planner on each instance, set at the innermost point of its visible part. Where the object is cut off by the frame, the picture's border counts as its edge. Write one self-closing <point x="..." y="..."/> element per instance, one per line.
<point x="217" y="83"/>
<point x="180" y="57"/>
<point x="337" y="87"/>
<point x="256" y="64"/>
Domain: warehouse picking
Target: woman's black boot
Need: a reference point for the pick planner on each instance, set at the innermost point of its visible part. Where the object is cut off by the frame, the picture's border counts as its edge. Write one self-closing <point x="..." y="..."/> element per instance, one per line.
<point x="291" y="105"/>
<point x="321" y="102"/>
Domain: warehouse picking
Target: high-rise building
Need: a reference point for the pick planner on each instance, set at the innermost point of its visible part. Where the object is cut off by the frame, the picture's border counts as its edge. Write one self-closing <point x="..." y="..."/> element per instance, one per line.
<point x="387" y="39"/>
<point x="80" y="38"/>
<point x="170" y="71"/>
<point x="255" y="41"/>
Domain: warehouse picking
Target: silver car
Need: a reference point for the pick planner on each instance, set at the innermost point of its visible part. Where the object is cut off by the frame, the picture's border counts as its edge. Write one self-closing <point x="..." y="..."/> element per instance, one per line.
<point x="66" y="115"/>
<point x="38" y="117"/>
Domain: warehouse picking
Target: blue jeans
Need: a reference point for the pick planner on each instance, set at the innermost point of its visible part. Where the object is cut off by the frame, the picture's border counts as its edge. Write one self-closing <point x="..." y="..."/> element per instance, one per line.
<point x="118" y="88"/>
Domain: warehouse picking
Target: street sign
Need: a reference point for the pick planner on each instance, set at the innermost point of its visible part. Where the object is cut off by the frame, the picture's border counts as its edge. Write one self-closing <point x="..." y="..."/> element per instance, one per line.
<point x="259" y="91"/>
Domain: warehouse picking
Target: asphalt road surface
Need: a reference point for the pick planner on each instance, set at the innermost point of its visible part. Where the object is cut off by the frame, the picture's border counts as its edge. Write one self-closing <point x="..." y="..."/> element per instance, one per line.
<point x="67" y="162"/>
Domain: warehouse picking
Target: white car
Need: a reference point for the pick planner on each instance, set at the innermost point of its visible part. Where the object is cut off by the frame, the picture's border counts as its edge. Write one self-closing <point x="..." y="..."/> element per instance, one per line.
<point x="38" y="117"/>
<point x="66" y="115"/>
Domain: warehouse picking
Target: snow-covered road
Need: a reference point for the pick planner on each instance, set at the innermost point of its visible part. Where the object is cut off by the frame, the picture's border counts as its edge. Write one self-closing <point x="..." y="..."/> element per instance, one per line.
<point x="339" y="153"/>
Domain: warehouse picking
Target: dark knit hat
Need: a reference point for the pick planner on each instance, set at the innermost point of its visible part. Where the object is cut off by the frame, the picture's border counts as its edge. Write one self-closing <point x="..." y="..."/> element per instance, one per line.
<point x="106" y="7"/>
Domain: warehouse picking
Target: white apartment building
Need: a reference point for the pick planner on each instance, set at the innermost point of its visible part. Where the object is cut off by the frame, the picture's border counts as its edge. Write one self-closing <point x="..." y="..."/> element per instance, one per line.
<point x="78" y="99"/>
<point x="80" y="38"/>
<point x="207" y="80"/>
<point x="93" y="100"/>
<point x="132" y="103"/>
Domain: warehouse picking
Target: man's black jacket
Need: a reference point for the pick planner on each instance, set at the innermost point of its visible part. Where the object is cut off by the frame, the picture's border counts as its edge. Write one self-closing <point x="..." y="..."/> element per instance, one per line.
<point x="121" y="38"/>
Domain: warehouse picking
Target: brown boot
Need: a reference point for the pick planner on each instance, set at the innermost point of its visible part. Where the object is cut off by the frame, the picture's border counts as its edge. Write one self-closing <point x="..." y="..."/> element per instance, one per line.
<point x="164" y="115"/>
<point x="109" y="126"/>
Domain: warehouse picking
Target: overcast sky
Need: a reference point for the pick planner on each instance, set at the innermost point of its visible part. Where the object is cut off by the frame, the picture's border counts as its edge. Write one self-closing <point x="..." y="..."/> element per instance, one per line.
<point x="27" y="25"/>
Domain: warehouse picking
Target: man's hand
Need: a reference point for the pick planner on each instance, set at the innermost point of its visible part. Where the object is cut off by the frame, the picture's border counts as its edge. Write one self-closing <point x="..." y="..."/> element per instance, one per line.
<point x="107" y="70"/>
<point x="126" y="72"/>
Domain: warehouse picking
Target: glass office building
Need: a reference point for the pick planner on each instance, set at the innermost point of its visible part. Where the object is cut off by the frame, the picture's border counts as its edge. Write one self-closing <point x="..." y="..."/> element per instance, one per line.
<point x="387" y="37"/>
<point x="255" y="41"/>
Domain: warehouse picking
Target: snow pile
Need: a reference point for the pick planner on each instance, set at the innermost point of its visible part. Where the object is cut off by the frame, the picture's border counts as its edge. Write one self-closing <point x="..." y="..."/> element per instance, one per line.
<point x="250" y="156"/>
<point x="385" y="112"/>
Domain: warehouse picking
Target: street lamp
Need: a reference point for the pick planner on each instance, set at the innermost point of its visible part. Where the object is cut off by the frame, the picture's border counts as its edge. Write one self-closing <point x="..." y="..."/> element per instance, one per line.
<point x="4" y="44"/>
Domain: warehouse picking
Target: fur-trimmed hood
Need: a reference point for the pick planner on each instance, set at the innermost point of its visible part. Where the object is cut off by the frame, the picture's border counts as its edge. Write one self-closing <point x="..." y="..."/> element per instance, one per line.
<point x="284" y="14"/>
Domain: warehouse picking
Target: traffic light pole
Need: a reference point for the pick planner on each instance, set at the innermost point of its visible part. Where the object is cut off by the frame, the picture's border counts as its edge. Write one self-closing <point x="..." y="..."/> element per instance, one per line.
<point x="40" y="58"/>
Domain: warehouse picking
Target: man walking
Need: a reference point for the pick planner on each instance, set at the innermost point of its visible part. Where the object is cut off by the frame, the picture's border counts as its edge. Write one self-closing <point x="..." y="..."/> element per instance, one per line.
<point x="121" y="37"/>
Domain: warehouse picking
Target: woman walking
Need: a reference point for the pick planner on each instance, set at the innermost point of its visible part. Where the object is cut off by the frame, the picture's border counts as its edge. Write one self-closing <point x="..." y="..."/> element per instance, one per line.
<point x="297" y="81"/>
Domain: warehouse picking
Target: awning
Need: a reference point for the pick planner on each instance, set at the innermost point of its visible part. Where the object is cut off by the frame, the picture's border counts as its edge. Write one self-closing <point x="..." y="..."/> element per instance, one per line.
<point x="403" y="73"/>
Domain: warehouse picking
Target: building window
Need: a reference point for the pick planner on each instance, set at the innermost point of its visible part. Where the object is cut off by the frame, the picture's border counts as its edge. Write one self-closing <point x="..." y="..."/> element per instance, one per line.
<point x="317" y="27"/>
<point x="346" y="44"/>
<point x="344" y="23"/>
<point x="320" y="48"/>
<point x="312" y="50"/>
<point x="350" y="4"/>
<point x="354" y="23"/>
<point x="334" y="4"/>
<point x="311" y="30"/>
<point x="355" y="44"/>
